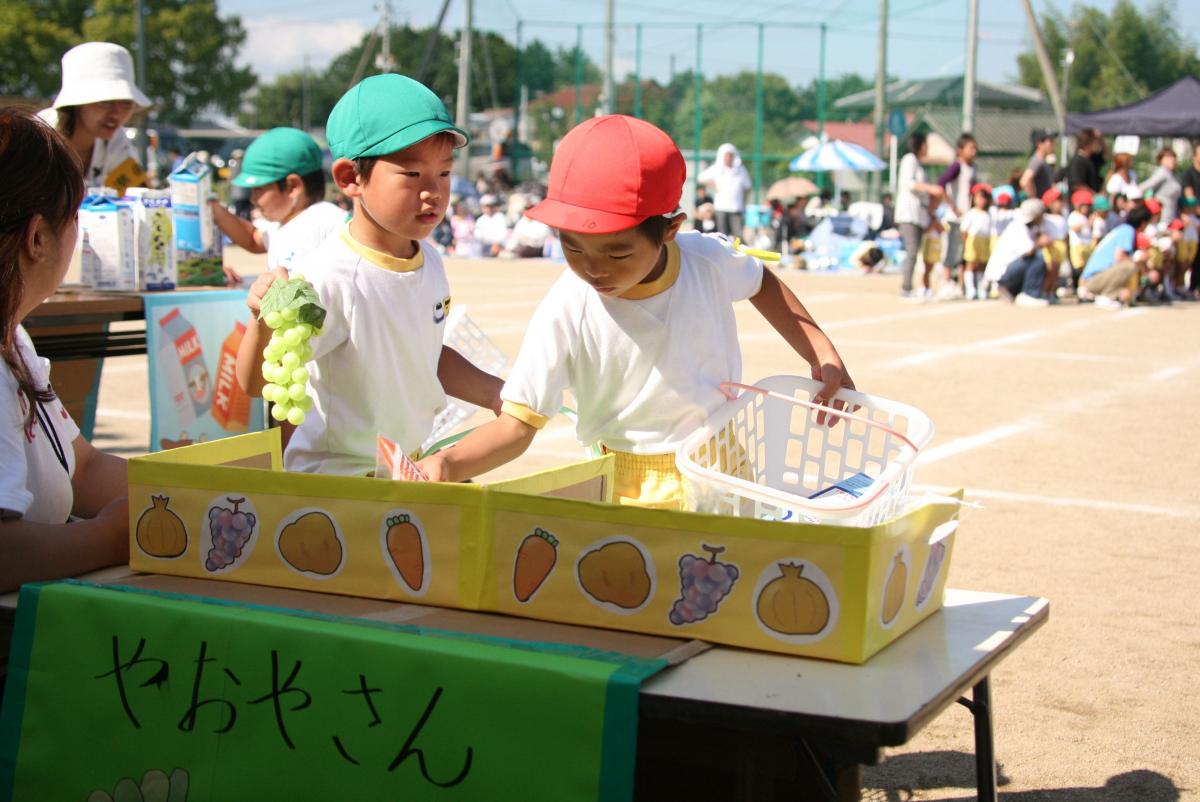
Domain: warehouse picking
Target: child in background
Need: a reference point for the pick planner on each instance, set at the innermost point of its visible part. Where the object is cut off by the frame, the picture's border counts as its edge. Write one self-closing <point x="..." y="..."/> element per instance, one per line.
<point x="491" y="227"/>
<point x="1080" y="239"/>
<point x="931" y="255"/>
<point x="378" y="366"/>
<point x="1054" y="226"/>
<point x="867" y="257"/>
<point x="462" y="223"/>
<point x="1189" y="244"/>
<point x="641" y="326"/>
<point x="282" y="170"/>
<point x="976" y="227"/>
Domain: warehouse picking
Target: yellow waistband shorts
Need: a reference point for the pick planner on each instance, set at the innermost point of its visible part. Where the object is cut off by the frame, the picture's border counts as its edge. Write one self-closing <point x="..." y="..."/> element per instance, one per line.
<point x="646" y="480"/>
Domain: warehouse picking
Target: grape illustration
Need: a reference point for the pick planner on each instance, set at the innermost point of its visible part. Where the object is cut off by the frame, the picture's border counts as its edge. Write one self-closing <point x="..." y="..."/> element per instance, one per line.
<point x="230" y="530"/>
<point x="703" y="583"/>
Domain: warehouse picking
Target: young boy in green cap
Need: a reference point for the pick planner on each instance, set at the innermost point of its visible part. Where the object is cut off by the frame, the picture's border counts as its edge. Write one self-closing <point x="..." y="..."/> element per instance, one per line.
<point x="282" y="170"/>
<point x="378" y="366"/>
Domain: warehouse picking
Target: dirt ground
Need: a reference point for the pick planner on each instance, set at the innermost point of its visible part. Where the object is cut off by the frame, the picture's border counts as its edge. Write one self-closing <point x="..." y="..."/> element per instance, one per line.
<point x="1072" y="426"/>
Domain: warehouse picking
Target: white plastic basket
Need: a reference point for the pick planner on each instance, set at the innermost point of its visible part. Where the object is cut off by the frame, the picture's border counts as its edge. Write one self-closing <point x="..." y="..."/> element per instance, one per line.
<point x="468" y="339"/>
<point x="764" y="455"/>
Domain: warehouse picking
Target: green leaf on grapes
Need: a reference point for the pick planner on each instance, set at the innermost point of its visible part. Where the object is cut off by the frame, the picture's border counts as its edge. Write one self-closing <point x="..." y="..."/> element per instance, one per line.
<point x="295" y="294"/>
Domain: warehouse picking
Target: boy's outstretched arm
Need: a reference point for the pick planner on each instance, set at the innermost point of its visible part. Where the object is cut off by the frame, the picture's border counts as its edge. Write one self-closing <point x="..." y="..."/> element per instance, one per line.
<point x="463" y="380"/>
<point x="490" y="446"/>
<point x="783" y="310"/>
<point x="242" y="232"/>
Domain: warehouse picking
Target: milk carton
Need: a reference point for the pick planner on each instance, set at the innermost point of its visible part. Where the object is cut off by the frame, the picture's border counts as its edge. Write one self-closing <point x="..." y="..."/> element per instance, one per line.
<point x="153" y="232"/>
<point x="107" y="252"/>
<point x="197" y="238"/>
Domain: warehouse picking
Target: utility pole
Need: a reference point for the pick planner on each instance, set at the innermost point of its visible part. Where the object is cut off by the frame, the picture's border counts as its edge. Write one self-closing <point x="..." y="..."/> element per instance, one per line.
<point x="968" y="113"/>
<point x="1043" y="57"/>
<point x="1068" y="60"/>
<point x="462" y="107"/>
<point x="385" y="62"/>
<point x="881" y="78"/>
<point x="139" y="11"/>
<point x="610" y="98"/>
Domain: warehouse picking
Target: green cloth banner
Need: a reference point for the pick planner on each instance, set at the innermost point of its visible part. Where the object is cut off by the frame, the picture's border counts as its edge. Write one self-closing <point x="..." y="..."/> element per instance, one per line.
<point x="121" y="694"/>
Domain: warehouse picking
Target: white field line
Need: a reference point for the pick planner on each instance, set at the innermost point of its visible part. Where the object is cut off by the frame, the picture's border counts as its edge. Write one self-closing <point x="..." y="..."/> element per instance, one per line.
<point x="837" y="325"/>
<point x="1168" y="373"/>
<point x="974" y="441"/>
<point x="1059" y="501"/>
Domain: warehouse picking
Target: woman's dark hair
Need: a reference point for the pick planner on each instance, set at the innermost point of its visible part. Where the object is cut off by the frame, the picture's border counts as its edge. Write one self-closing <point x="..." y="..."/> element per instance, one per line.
<point x="964" y="140"/>
<point x="68" y="117"/>
<point x="873" y="256"/>
<point x="916" y="141"/>
<point x="1086" y="138"/>
<point x="42" y="177"/>
<point x="1164" y="152"/>
<point x="314" y="184"/>
<point x="1138" y="217"/>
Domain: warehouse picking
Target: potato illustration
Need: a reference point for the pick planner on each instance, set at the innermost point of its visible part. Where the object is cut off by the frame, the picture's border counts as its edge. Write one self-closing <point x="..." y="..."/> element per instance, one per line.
<point x="893" y="592"/>
<point x="616" y="573"/>
<point x="310" y="543"/>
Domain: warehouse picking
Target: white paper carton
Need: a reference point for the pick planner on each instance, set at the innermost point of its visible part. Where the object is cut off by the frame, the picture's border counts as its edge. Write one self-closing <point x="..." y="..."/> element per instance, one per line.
<point x="108" y="259"/>
<point x="197" y="238"/>
<point x="153" y="231"/>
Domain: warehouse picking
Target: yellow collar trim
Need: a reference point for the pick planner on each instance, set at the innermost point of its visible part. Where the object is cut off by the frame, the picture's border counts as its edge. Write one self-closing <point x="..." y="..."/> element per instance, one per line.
<point x="381" y="259"/>
<point x="666" y="281"/>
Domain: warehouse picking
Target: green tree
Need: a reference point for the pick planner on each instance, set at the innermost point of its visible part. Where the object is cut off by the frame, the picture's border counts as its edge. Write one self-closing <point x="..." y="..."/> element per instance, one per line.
<point x="189" y="59"/>
<point x="1119" y="57"/>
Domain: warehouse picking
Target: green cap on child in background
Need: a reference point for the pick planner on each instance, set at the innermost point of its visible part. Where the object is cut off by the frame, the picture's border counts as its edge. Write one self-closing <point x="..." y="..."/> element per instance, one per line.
<point x="277" y="154"/>
<point x="1101" y="204"/>
<point x="384" y="114"/>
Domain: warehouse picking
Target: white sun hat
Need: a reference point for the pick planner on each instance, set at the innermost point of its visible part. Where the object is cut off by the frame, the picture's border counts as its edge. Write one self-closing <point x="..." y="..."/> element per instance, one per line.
<point x="94" y="72"/>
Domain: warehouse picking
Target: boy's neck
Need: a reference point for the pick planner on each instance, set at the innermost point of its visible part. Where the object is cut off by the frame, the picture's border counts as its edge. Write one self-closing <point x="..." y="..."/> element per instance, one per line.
<point x="659" y="266"/>
<point x="369" y="233"/>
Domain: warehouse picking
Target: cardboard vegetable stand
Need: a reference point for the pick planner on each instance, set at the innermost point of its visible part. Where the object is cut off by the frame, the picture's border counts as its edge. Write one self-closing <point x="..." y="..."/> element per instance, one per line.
<point x="548" y="546"/>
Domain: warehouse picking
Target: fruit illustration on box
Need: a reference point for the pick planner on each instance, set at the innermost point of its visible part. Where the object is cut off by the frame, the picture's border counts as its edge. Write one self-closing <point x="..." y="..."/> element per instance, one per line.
<point x="937" y="554"/>
<point x="535" y="560"/>
<point x="310" y="543"/>
<point x="230" y="530"/>
<point x="703" y="583"/>
<point x="792" y="604"/>
<point x="616" y="574"/>
<point x="403" y="540"/>
<point x="893" y="591"/>
<point x="159" y="531"/>
<point x="156" y="786"/>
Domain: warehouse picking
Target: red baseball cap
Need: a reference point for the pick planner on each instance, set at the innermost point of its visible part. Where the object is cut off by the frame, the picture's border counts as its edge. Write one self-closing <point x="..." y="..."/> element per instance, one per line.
<point x="1082" y="197"/>
<point x="1051" y="195"/>
<point x="1141" y="241"/>
<point x="1154" y="206"/>
<point x="609" y="174"/>
<point x="1176" y="225"/>
<point x="981" y="187"/>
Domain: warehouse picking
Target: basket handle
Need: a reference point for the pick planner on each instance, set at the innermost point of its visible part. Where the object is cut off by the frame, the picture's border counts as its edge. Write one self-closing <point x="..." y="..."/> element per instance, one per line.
<point x="725" y="390"/>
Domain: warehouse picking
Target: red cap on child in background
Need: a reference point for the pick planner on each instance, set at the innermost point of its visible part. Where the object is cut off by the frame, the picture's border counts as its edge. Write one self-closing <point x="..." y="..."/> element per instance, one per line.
<point x="1141" y="241"/>
<point x="1153" y="206"/>
<point x="1176" y="225"/>
<point x="1051" y="195"/>
<point x="981" y="187"/>
<point x="1082" y="197"/>
<point x="610" y="173"/>
<point x="1003" y="197"/>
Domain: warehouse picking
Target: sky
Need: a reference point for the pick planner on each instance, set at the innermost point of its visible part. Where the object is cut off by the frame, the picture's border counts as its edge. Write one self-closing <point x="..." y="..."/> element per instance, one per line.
<point x="927" y="38"/>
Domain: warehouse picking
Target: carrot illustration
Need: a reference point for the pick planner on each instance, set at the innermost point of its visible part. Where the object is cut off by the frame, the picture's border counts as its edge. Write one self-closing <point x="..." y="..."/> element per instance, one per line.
<point x="535" y="560"/>
<point x="404" y="547"/>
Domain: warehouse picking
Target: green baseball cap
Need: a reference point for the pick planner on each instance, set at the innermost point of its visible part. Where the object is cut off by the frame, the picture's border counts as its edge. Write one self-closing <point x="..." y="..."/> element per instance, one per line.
<point x="277" y="154"/>
<point x="1101" y="204"/>
<point x="384" y="114"/>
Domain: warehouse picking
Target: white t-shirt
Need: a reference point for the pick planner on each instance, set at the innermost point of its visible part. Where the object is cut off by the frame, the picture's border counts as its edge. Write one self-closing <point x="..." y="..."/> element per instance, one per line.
<point x="1119" y="186"/>
<point x="374" y="368"/>
<point x="976" y="223"/>
<point x="528" y="233"/>
<point x="1016" y="241"/>
<point x="1054" y="227"/>
<point x="730" y="182"/>
<point x="302" y="234"/>
<point x="1080" y="228"/>
<point x="113" y="164"/>
<point x="644" y="370"/>
<point x="911" y="206"/>
<point x="37" y="463"/>
<point x="491" y="229"/>
<point x="1000" y="220"/>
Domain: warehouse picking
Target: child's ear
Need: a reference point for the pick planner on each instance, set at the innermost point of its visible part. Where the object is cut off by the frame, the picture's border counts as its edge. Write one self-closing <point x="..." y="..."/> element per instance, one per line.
<point x="346" y="178"/>
<point x="673" y="227"/>
<point x="294" y="183"/>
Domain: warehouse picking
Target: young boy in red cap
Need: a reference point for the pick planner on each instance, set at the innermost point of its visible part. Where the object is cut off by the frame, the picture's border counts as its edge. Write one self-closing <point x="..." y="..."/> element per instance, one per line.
<point x="641" y="327"/>
<point x="1054" y="226"/>
<point x="1080" y="242"/>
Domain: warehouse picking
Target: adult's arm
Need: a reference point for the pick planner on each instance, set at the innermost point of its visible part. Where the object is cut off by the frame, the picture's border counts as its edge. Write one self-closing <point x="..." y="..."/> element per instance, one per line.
<point x="950" y="174"/>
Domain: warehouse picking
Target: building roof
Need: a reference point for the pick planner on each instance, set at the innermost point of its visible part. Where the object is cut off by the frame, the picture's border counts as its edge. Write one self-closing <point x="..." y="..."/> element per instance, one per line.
<point x="861" y="134"/>
<point x="998" y="132"/>
<point x="912" y="94"/>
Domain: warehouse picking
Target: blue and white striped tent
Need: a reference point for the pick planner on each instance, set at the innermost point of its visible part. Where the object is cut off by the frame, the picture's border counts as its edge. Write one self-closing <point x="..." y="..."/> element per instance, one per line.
<point x="836" y="155"/>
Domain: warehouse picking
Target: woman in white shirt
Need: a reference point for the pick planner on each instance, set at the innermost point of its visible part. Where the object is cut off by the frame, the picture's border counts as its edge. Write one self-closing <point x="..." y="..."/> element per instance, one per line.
<point x="730" y="182"/>
<point x="913" y="198"/>
<point x="48" y="471"/>
<point x="97" y="98"/>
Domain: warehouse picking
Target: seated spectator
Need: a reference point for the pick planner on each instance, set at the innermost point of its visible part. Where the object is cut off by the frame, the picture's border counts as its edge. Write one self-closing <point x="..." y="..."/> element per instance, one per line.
<point x="706" y="219"/>
<point x="1016" y="264"/>
<point x="867" y="257"/>
<point x="527" y="240"/>
<point x="1112" y="272"/>
<point x="491" y="227"/>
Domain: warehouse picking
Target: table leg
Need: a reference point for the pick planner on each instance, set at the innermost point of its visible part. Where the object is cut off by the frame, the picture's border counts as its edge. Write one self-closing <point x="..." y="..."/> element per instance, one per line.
<point x="985" y="748"/>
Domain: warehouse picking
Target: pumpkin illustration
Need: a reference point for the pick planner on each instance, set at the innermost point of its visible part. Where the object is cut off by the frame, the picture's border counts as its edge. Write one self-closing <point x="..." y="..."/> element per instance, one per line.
<point x="893" y="592"/>
<point x="159" y="531"/>
<point x="791" y="604"/>
<point x="616" y="573"/>
<point x="310" y="543"/>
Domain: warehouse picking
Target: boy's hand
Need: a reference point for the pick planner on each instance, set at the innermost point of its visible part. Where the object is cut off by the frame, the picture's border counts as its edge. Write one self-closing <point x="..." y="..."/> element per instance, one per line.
<point x="260" y="287"/>
<point x="833" y="377"/>
<point x="435" y="467"/>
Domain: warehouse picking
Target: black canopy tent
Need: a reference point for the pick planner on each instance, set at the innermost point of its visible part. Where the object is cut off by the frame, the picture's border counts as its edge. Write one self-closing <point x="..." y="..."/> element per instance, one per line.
<point x="1174" y="111"/>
